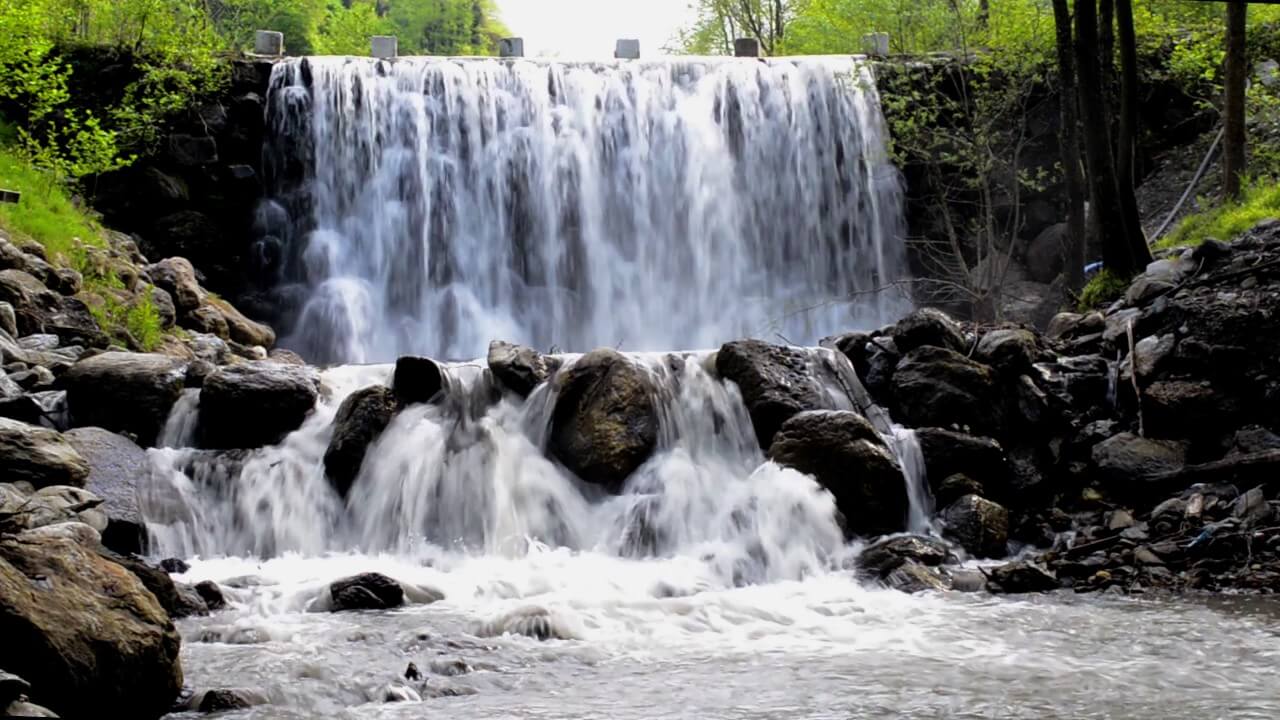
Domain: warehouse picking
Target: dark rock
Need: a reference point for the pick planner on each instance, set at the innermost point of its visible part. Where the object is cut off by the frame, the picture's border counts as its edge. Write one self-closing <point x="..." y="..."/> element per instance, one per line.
<point x="605" y="422"/>
<point x="845" y="454"/>
<point x="117" y="468"/>
<point x="369" y="591"/>
<point x="32" y="302"/>
<point x="215" y="701"/>
<point x="360" y="421"/>
<point x="520" y="369"/>
<point x="193" y="151"/>
<point x="882" y="360"/>
<point x="189" y="234"/>
<point x="1178" y="409"/>
<point x="1125" y="460"/>
<point x="162" y="301"/>
<point x="1020" y="577"/>
<point x="39" y="456"/>
<point x="85" y="632"/>
<point x="207" y="319"/>
<point x="1046" y="254"/>
<point x="255" y="404"/>
<point x="886" y="555"/>
<point x="980" y="526"/>
<point x="955" y="487"/>
<point x="776" y="383"/>
<point x="197" y="372"/>
<point x="12" y="687"/>
<point x="1012" y="351"/>
<point x="8" y="319"/>
<point x="178" y="601"/>
<point x="417" y="380"/>
<point x="240" y="328"/>
<point x="912" y="577"/>
<point x="175" y="566"/>
<point x="125" y="392"/>
<point x="177" y="277"/>
<point x="211" y="594"/>
<point x="928" y="328"/>
<point x="947" y="453"/>
<point x="412" y="673"/>
<point x="1253" y="439"/>
<point x="933" y="387"/>
<point x="33" y="380"/>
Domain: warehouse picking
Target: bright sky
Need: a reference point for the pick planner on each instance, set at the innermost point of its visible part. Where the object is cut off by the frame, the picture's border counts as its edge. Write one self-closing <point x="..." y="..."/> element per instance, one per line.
<point x="574" y="29"/>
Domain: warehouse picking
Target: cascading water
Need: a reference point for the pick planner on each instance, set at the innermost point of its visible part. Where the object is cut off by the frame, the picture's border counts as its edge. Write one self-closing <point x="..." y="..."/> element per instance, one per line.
<point x="431" y="205"/>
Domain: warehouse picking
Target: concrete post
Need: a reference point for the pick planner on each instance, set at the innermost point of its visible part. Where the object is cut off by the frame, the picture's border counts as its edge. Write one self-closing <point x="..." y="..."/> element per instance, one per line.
<point x="268" y="42"/>
<point x="10" y="196"/>
<point x="384" y="47"/>
<point x="627" y="50"/>
<point x="876" y="44"/>
<point x="746" y="48"/>
<point x="511" y="47"/>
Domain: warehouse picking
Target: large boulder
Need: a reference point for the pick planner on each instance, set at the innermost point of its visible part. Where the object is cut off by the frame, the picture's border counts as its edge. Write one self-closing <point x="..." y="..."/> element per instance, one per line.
<point x="416" y="380"/>
<point x="948" y="453"/>
<point x="39" y="456"/>
<point x="361" y="419"/>
<point x="179" y="601"/>
<point x="776" y="383"/>
<point x="520" y="369"/>
<point x="370" y="591"/>
<point x="605" y="422"/>
<point x="177" y="277"/>
<point x="49" y="505"/>
<point x="32" y="302"/>
<point x="83" y="630"/>
<point x="1012" y="351"/>
<point x="845" y="454"/>
<point x="123" y="392"/>
<point x="935" y="387"/>
<point x="117" y="468"/>
<point x="928" y="327"/>
<point x="1126" y="460"/>
<point x="240" y="328"/>
<point x="1020" y="577"/>
<point x="255" y="404"/>
<point x="980" y="526"/>
<point x="886" y="555"/>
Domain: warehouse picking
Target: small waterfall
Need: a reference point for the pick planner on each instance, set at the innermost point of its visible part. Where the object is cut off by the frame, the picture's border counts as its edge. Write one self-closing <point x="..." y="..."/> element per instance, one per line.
<point x="180" y="429"/>
<point x="906" y="445"/>
<point x="428" y="205"/>
<point x="471" y="475"/>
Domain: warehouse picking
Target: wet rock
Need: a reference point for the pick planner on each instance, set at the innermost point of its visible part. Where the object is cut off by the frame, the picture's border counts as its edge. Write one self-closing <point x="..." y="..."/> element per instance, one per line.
<point x="882" y="361"/>
<point x="1149" y="356"/>
<point x="86" y="633"/>
<point x="177" y="277"/>
<point x="207" y="319"/>
<point x="370" y="591"/>
<point x="955" y="487"/>
<point x="287" y="357"/>
<point x="417" y="380"/>
<point x="947" y="453"/>
<point x="211" y="594"/>
<point x="22" y="708"/>
<point x="846" y="456"/>
<point x="776" y="383"/>
<point x="394" y="693"/>
<point x="912" y="577"/>
<point x="223" y="700"/>
<point x="1125" y="460"/>
<point x="130" y="393"/>
<point x="1012" y="351"/>
<point x="1117" y="329"/>
<point x="531" y="621"/>
<point x="933" y="387"/>
<point x="12" y="687"/>
<point x="412" y="673"/>
<point x="255" y="404"/>
<point x="980" y="526"/>
<point x="117" y="468"/>
<point x="1020" y="577"/>
<point x="605" y="422"/>
<point x="520" y="369"/>
<point x="39" y="456"/>
<point x="8" y="319"/>
<point x="928" y="327"/>
<point x="52" y="505"/>
<point x="240" y="328"/>
<point x="177" y="600"/>
<point x="360" y="421"/>
<point x="880" y="558"/>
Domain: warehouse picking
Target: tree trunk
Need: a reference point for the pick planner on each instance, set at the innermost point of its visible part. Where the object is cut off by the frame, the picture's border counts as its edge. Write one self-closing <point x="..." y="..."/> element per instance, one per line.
<point x="1126" y="146"/>
<point x="1124" y="250"/>
<point x="1233" y="159"/>
<point x="1070" y="134"/>
<point x="1107" y="40"/>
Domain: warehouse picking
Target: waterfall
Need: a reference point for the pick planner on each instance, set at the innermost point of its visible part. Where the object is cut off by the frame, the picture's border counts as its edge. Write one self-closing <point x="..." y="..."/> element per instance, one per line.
<point x="471" y="476"/>
<point x="429" y="205"/>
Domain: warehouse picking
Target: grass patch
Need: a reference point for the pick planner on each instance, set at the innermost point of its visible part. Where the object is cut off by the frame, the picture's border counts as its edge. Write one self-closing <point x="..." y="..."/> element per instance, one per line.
<point x="135" y="316"/>
<point x="45" y="214"/>
<point x="1104" y="289"/>
<point x="1261" y="202"/>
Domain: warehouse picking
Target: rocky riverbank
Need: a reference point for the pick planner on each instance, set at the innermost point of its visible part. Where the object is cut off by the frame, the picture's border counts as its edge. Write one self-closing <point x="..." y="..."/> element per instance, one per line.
<point x="1131" y="450"/>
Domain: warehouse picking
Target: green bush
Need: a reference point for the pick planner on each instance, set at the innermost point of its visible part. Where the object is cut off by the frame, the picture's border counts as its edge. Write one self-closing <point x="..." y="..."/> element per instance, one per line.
<point x="46" y="214"/>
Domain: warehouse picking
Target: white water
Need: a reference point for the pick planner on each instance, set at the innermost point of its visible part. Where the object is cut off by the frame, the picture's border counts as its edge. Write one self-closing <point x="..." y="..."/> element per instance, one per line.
<point x="431" y="205"/>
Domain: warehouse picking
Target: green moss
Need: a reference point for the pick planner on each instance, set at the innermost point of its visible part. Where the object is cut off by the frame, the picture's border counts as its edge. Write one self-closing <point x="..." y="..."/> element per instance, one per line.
<point x="45" y="214"/>
<point x="1261" y="202"/>
<point x="1104" y="289"/>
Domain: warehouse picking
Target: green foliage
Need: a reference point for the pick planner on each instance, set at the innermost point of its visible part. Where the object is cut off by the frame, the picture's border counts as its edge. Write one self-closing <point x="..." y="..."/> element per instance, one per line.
<point x="1261" y="202"/>
<point x="132" y="319"/>
<point x="1104" y="289"/>
<point x="346" y="30"/>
